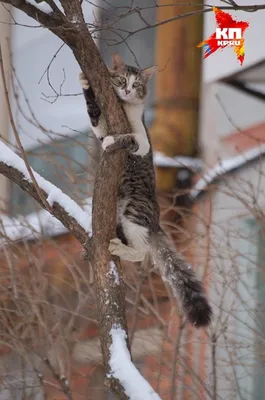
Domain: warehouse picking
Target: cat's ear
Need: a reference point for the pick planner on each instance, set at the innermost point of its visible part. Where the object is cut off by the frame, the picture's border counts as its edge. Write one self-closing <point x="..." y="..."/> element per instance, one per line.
<point x="117" y="61"/>
<point x="148" y="72"/>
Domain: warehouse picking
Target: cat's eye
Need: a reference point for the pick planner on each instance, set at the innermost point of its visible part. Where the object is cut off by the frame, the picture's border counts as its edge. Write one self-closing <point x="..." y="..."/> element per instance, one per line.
<point x="122" y="80"/>
<point x="119" y="81"/>
<point x="136" y="84"/>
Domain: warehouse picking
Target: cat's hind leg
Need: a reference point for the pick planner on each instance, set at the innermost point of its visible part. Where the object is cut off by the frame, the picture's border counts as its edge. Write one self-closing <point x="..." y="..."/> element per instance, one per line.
<point x="117" y="248"/>
<point x="137" y="237"/>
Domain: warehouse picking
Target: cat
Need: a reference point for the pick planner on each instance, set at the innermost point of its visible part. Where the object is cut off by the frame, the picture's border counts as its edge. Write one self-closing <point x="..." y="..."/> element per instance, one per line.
<point x="138" y="213"/>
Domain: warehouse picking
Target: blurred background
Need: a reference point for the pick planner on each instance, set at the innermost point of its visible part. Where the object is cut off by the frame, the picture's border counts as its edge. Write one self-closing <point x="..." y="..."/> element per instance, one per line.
<point x="206" y="119"/>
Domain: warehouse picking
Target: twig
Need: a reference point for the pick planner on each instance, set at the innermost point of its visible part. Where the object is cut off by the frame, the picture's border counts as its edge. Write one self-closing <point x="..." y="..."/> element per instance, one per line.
<point x="149" y="305"/>
<point x="214" y="372"/>
<point x="174" y="361"/>
<point x="246" y="8"/>
<point x="50" y="63"/>
<point x="63" y="382"/>
<point x="135" y="311"/>
<point x="230" y="2"/>
<point x="10" y="264"/>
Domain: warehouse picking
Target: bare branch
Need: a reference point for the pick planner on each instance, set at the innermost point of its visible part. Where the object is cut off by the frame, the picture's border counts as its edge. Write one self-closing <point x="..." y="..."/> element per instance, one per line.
<point x="205" y="8"/>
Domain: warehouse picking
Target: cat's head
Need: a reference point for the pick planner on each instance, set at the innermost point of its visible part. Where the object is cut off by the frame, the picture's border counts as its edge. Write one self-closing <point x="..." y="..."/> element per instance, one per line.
<point x="129" y="82"/>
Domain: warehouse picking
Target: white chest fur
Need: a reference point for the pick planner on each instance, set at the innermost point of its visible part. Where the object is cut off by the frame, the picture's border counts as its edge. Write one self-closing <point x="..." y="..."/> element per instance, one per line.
<point x="134" y="114"/>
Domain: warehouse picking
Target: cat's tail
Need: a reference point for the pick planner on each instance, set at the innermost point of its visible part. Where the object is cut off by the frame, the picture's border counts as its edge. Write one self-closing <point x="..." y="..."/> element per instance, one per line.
<point x="180" y="277"/>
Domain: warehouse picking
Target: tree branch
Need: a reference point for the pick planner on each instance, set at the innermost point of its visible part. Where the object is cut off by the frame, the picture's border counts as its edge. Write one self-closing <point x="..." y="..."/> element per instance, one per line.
<point x="231" y="7"/>
<point x="77" y="37"/>
<point x="58" y="210"/>
<point x="109" y="285"/>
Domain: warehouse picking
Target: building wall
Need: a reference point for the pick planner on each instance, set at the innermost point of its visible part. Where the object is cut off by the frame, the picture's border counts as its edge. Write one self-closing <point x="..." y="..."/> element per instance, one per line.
<point x="228" y="115"/>
<point x="229" y="239"/>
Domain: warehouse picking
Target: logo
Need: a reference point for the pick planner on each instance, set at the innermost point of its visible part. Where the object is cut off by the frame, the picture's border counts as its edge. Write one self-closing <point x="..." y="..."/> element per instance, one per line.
<point x="229" y="32"/>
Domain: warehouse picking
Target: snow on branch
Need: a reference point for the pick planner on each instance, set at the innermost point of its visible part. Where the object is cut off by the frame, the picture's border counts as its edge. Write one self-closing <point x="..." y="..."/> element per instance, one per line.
<point x="73" y="217"/>
<point x="123" y="369"/>
<point x="43" y="6"/>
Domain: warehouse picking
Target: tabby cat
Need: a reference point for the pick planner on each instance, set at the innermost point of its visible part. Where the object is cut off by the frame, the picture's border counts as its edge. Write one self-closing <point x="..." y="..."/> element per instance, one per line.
<point x="138" y="229"/>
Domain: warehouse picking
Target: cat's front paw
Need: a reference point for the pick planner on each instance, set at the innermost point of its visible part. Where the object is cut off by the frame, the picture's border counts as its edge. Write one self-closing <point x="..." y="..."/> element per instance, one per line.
<point x="107" y="142"/>
<point x="83" y="81"/>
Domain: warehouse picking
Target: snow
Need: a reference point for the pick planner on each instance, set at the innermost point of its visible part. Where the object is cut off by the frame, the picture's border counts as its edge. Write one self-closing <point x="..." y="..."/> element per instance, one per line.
<point x="122" y="368"/>
<point x="43" y="6"/>
<point x="161" y="160"/>
<point x="52" y="196"/>
<point x="55" y="194"/>
<point x="113" y="271"/>
<point x="224" y="167"/>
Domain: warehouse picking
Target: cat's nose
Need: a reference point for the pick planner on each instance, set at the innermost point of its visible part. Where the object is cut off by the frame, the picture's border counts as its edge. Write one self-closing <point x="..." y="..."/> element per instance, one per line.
<point x="127" y="91"/>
